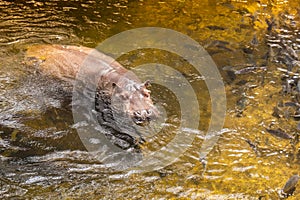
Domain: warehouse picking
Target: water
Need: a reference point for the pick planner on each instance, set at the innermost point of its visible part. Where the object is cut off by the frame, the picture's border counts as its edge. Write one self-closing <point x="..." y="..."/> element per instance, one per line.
<point x="42" y="156"/>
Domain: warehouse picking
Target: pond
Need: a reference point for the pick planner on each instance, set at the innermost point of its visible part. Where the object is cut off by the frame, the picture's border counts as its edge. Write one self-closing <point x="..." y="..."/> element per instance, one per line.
<point x="255" y="47"/>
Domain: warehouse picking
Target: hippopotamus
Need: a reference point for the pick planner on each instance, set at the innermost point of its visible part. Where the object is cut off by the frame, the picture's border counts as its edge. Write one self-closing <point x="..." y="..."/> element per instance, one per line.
<point x="64" y="62"/>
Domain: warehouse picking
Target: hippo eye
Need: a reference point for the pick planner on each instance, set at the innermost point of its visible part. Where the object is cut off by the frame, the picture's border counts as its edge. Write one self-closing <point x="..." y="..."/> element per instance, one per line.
<point x="146" y="93"/>
<point x="117" y="88"/>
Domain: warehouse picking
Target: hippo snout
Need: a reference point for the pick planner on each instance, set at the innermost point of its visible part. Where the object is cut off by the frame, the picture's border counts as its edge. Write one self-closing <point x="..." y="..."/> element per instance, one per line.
<point x="143" y="117"/>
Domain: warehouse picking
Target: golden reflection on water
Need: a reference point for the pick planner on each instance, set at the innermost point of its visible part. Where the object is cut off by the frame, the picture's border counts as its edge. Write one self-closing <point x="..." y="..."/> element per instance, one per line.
<point x="234" y="167"/>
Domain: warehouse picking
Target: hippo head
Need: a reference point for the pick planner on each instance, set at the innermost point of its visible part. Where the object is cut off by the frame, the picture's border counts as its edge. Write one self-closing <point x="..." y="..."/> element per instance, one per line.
<point x="136" y="102"/>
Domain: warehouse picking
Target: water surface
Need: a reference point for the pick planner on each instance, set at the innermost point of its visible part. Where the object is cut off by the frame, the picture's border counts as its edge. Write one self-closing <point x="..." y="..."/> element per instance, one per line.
<point x="43" y="158"/>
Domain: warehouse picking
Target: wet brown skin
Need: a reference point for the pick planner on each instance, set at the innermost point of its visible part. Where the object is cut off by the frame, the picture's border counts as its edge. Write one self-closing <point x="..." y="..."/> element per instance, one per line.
<point x="123" y="87"/>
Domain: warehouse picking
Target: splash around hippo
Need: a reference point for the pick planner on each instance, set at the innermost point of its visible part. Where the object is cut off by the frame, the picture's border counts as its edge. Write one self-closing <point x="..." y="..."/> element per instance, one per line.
<point x="121" y="98"/>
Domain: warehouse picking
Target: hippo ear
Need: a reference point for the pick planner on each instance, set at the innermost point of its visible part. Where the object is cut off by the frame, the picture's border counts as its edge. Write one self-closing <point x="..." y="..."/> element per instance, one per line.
<point x="147" y="83"/>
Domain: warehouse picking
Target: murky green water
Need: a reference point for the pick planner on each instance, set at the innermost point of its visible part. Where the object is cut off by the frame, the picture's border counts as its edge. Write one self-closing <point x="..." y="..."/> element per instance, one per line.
<point x="253" y="44"/>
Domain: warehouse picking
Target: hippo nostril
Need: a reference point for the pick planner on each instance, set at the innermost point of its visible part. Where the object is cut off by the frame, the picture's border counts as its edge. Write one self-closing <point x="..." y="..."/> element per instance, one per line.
<point x="149" y="112"/>
<point x="137" y="113"/>
<point x="143" y="117"/>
